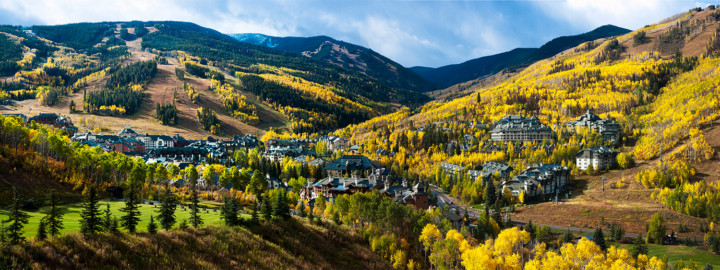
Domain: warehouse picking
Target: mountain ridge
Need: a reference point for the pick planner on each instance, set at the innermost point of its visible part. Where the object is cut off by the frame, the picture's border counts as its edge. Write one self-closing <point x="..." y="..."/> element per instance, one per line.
<point x="345" y="55"/>
<point x="446" y="76"/>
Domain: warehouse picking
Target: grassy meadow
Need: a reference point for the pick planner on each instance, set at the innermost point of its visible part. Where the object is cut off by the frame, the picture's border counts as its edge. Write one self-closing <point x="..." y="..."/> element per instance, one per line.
<point x="72" y="216"/>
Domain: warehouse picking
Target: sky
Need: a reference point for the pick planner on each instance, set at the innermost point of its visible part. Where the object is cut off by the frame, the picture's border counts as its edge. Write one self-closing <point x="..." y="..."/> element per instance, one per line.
<point x="412" y="33"/>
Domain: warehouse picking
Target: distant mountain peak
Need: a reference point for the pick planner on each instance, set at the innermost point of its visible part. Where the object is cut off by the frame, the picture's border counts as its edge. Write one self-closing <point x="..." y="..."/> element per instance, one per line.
<point x="346" y="55"/>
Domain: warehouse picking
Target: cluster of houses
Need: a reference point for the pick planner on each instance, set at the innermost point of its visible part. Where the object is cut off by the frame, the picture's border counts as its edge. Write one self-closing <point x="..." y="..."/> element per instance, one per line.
<point x="278" y="149"/>
<point x="50" y="119"/>
<point x="357" y="173"/>
<point x="163" y="147"/>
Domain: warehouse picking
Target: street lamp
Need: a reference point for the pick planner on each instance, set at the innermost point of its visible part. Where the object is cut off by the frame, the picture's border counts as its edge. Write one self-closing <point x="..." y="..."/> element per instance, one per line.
<point x="603" y="179"/>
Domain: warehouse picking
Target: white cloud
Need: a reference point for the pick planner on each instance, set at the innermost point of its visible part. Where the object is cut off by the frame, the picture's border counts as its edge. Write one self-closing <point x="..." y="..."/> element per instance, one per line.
<point x="629" y="14"/>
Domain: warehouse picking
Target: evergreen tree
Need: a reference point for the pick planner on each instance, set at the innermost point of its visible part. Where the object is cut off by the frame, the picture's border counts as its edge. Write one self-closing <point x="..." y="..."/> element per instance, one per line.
<point x="107" y="222"/>
<point x="114" y="228"/>
<point x="166" y="213"/>
<point x="183" y="225"/>
<point x="311" y="216"/>
<point x="72" y="106"/>
<point x="229" y="211"/>
<point x="496" y="215"/>
<point x="280" y="209"/>
<point x="639" y="246"/>
<point x="41" y="232"/>
<point x="90" y="217"/>
<point x="530" y="228"/>
<point x="599" y="239"/>
<point x="17" y="220"/>
<point x="266" y="209"/>
<point x="301" y="209"/>
<point x="195" y="218"/>
<point x="54" y="217"/>
<point x="489" y="196"/>
<point x="254" y="217"/>
<point x="152" y="227"/>
<point x="568" y="237"/>
<point x="131" y="218"/>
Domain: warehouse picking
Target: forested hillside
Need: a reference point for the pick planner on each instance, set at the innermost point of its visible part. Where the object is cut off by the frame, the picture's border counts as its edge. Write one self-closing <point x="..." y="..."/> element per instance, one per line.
<point x="346" y="55"/>
<point x="120" y="69"/>
<point x="449" y="75"/>
<point x="665" y="101"/>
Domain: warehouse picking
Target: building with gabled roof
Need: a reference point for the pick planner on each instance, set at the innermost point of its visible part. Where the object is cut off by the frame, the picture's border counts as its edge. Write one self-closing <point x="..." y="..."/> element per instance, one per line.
<point x="156" y="141"/>
<point x="609" y="129"/>
<point x="351" y="164"/>
<point x="519" y="128"/>
<point x="127" y="132"/>
<point x="538" y="180"/>
<point x="600" y="157"/>
<point x="128" y="146"/>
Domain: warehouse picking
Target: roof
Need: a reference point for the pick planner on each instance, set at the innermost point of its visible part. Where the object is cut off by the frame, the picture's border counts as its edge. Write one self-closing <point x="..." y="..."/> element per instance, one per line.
<point x="352" y="162"/>
<point x="519" y="123"/>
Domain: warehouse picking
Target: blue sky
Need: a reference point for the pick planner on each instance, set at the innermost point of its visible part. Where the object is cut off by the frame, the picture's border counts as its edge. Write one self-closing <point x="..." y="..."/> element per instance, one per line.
<point x="427" y="33"/>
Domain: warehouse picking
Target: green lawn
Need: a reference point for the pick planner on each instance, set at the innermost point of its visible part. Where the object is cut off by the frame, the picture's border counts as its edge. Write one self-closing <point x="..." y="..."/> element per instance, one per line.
<point x="72" y="216"/>
<point x="677" y="252"/>
<point x="479" y="206"/>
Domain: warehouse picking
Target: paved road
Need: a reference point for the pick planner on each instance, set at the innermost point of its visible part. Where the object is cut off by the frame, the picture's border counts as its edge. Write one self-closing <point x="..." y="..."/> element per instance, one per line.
<point x="444" y="199"/>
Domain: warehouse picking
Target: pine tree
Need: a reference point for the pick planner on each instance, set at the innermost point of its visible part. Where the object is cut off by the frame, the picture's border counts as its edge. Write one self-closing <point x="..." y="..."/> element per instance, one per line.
<point x="131" y="218"/>
<point x="152" y="227"/>
<point x="166" y="213"/>
<point x="229" y="211"/>
<point x="266" y="209"/>
<point x="90" y="217"/>
<point x="639" y="246"/>
<point x="183" y="225"/>
<point x="530" y="228"/>
<point x="568" y="237"/>
<point x="54" y="217"/>
<point x="41" y="234"/>
<point x="280" y="209"/>
<point x="114" y="228"/>
<point x="599" y="239"/>
<point x="254" y="219"/>
<point x="489" y="196"/>
<point x="496" y="215"/>
<point x="107" y="222"/>
<point x="17" y="220"/>
<point x="195" y="218"/>
<point x="301" y="209"/>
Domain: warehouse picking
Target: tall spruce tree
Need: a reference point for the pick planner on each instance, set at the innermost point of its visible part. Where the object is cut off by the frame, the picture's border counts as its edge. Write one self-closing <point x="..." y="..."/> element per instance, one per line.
<point x="280" y="208"/>
<point x="266" y="208"/>
<point x="17" y="220"/>
<point x="107" y="221"/>
<point x="41" y="231"/>
<point x="254" y="219"/>
<point x="54" y="217"/>
<point x="166" y="213"/>
<point x="599" y="239"/>
<point x="152" y="226"/>
<point x="131" y="218"/>
<point x="229" y="211"/>
<point x="90" y="217"/>
<point x="489" y="196"/>
<point x="195" y="218"/>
